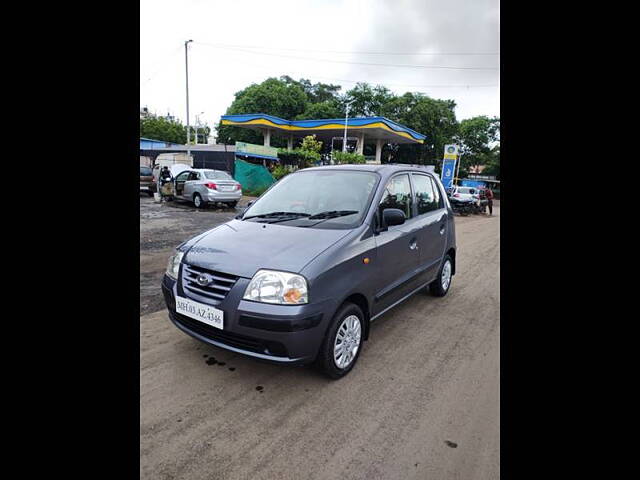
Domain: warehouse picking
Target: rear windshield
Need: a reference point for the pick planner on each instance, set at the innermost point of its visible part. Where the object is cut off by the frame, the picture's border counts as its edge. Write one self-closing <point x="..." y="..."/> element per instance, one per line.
<point x="217" y="175"/>
<point x="145" y="172"/>
<point x="466" y="190"/>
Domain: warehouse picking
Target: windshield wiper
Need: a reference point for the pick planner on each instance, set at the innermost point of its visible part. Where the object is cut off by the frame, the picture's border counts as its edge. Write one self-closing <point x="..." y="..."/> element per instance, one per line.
<point x="324" y="216"/>
<point x="277" y="216"/>
<point x="332" y="214"/>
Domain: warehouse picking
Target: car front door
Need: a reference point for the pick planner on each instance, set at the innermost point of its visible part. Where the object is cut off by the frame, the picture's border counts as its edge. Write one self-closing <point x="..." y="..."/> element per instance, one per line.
<point x="180" y="181"/>
<point x="431" y="218"/>
<point x="397" y="248"/>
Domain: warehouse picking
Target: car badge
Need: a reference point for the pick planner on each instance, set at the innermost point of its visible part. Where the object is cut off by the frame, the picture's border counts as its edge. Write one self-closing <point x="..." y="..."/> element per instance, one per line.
<point x="203" y="280"/>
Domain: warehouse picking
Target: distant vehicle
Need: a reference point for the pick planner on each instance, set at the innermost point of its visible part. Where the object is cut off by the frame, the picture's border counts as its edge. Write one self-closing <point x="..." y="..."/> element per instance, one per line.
<point x="464" y="193"/>
<point x="146" y="180"/>
<point x="202" y="186"/>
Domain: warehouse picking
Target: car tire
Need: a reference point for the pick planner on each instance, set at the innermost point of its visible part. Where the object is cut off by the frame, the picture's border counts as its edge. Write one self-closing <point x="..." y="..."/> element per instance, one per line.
<point x="150" y="193"/>
<point x="198" y="201"/>
<point x="344" y="323"/>
<point x="439" y="287"/>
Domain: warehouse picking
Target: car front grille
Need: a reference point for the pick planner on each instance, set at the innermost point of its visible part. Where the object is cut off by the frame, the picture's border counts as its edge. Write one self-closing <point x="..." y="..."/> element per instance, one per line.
<point x="231" y="339"/>
<point x="219" y="283"/>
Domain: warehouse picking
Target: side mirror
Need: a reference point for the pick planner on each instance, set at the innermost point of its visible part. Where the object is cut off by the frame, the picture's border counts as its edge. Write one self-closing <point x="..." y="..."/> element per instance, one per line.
<point x="393" y="216"/>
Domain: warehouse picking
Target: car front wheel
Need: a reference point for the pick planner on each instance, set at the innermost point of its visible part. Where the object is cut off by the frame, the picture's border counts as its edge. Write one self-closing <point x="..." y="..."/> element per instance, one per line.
<point x="343" y="343"/>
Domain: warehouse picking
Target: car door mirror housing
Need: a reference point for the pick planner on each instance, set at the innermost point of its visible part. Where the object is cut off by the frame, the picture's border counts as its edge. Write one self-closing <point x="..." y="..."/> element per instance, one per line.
<point x="393" y="216"/>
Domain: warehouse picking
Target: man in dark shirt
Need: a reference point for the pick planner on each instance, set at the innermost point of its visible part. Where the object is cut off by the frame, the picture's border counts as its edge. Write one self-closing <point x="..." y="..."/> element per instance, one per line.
<point x="489" y="195"/>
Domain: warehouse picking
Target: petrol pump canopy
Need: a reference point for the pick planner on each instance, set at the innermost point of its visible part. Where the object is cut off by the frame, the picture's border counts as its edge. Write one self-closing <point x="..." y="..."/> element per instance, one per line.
<point x="372" y="127"/>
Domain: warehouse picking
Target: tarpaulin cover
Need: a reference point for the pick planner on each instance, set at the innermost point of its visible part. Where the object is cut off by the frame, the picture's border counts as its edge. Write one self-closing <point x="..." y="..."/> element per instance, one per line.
<point x="252" y="177"/>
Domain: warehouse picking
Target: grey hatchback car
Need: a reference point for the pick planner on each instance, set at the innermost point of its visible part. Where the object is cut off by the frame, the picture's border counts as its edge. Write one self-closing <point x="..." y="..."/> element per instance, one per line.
<point x="301" y="274"/>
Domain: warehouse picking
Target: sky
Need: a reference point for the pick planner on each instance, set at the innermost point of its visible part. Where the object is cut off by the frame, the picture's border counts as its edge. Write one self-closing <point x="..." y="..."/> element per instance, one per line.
<point x="395" y="43"/>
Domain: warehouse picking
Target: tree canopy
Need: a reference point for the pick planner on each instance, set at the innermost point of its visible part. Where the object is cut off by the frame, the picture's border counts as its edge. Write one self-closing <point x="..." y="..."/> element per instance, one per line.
<point x="159" y="128"/>
<point x="292" y="99"/>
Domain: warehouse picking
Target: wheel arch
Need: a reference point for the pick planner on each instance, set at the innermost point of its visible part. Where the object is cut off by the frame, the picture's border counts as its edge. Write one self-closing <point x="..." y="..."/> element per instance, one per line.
<point x="361" y="301"/>
<point x="452" y="253"/>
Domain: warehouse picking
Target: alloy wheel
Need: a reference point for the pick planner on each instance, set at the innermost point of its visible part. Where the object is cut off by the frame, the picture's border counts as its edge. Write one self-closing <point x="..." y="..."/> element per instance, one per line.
<point x="347" y="341"/>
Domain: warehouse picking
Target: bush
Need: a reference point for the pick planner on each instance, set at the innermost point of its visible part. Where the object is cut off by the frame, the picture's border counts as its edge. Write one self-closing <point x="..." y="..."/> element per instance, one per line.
<point x="310" y="144"/>
<point x="280" y="171"/>
<point x="303" y="158"/>
<point x="255" y="193"/>
<point x="347" y="157"/>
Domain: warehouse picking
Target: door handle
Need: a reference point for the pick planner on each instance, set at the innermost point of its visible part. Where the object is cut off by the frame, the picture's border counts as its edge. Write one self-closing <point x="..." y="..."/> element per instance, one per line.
<point x="413" y="244"/>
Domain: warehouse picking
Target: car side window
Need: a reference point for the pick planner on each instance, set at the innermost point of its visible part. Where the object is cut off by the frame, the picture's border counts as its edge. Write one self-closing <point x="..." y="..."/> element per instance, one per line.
<point x="182" y="177"/>
<point x="397" y="194"/>
<point x="425" y="195"/>
<point x="193" y="176"/>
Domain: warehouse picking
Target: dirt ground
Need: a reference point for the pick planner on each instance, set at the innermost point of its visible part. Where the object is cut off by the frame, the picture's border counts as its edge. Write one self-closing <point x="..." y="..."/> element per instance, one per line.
<point x="422" y="402"/>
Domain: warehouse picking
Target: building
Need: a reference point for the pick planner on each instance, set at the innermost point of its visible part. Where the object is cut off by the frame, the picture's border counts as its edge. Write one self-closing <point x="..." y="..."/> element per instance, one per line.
<point x="377" y="130"/>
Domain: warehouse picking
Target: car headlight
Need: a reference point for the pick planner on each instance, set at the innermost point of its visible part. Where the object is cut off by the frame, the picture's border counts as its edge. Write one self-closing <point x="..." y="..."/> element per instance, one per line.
<point x="270" y="286"/>
<point x="173" y="267"/>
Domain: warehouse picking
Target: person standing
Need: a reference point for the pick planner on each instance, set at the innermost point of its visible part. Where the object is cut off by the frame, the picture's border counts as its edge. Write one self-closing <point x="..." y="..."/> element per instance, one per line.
<point x="165" y="177"/>
<point x="489" y="195"/>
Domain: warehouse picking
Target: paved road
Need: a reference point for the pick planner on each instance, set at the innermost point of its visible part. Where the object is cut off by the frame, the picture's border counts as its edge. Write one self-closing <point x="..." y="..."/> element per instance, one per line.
<point x="422" y="402"/>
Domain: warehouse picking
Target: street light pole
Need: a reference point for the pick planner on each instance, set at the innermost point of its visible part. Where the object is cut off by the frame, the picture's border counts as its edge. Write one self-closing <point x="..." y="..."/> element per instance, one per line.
<point x="346" y="122"/>
<point x="186" y="65"/>
<point x="198" y="125"/>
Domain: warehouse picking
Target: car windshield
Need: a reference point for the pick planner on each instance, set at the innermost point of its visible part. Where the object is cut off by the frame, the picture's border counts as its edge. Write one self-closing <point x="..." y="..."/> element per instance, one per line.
<point x="466" y="190"/>
<point x="217" y="175"/>
<point x="323" y="198"/>
<point x="145" y="172"/>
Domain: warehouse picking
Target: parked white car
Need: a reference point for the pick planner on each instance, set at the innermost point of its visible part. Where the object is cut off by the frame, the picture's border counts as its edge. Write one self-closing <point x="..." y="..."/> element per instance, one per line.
<point x="466" y="194"/>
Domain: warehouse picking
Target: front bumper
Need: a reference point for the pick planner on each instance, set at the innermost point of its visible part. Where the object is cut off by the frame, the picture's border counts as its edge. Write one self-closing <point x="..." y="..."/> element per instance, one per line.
<point x="284" y="334"/>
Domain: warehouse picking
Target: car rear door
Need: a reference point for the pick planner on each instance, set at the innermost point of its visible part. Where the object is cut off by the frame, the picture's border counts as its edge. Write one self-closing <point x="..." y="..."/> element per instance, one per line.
<point x="431" y="217"/>
<point x="397" y="248"/>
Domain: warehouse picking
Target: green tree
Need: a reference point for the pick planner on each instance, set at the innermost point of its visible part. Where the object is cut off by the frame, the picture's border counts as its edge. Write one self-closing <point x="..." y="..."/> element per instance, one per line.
<point x="159" y="128"/>
<point x="492" y="164"/>
<point x="367" y="101"/>
<point x="273" y="97"/>
<point x="434" y="118"/>
<point x="477" y="136"/>
<point x="316" y="92"/>
<point x="328" y="109"/>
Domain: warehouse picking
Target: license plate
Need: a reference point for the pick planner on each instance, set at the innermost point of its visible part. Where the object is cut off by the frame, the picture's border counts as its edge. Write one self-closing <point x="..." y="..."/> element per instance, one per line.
<point x="199" y="311"/>
<point x="225" y="189"/>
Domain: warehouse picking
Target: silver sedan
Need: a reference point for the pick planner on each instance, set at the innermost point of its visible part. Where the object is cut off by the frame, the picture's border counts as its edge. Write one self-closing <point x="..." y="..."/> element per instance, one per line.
<point x="202" y="186"/>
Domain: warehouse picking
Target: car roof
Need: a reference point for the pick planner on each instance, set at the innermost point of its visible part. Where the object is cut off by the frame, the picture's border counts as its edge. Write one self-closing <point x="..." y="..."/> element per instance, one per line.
<point x="381" y="168"/>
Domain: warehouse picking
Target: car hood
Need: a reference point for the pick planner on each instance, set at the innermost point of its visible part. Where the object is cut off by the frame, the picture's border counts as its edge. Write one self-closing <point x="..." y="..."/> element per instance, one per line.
<point x="242" y="247"/>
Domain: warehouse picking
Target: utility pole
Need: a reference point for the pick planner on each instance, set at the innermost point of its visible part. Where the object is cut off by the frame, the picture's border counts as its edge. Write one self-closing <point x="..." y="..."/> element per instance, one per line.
<point x="186" y="65"/>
